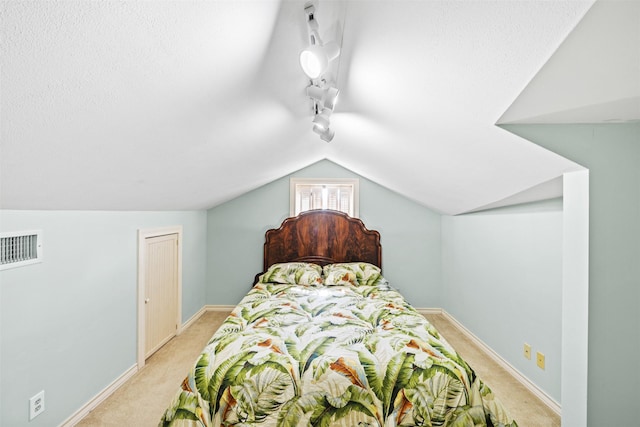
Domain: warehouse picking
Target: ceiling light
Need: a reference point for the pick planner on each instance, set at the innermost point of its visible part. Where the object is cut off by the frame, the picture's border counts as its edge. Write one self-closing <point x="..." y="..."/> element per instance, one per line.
<point x="315" y="59"/>
<point x="321" y="125"/>
<point x="321" y="120"/>
<point x="325" y="134"/>
<point x="325" y="96"/>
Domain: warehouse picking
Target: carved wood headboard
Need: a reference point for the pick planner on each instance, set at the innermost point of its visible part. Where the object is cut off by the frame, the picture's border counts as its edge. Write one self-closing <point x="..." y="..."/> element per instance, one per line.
<point x="322" y="237"/>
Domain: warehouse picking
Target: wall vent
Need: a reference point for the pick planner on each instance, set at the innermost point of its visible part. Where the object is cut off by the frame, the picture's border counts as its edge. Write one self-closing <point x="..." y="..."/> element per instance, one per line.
<point x="18" y="248"/>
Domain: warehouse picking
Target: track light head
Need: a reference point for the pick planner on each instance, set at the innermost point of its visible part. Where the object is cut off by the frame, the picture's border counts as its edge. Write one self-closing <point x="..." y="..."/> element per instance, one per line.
<point x="326" y="96"/>
<point x="328" y="135"/>
<point x="321" y="120"/>
<point x="331" y="98"/>
<point x="315" y="59"/>
<point x="325" y="134"/>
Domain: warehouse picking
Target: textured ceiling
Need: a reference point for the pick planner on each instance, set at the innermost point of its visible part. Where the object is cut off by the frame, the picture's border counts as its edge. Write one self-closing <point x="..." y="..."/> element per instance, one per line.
<point x="593" y="77"/>
<point x="175" y="105"/>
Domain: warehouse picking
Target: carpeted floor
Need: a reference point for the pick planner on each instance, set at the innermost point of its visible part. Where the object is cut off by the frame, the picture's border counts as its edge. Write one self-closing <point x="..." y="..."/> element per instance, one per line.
<point x="526" y="408"/>
<point x="141" y="401"/>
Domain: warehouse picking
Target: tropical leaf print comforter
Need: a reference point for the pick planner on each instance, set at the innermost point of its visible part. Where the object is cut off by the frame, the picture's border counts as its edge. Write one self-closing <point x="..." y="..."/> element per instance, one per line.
<point x="291" y="355"/>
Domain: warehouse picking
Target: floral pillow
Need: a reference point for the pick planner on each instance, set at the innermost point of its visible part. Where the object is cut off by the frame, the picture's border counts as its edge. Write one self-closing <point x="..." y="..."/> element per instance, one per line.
<point x="352" y="273"/>
<point x="293" y="273"/>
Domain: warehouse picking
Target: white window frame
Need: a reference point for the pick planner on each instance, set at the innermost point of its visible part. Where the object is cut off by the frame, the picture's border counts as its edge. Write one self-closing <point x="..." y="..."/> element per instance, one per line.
<point x="354" y="183"/>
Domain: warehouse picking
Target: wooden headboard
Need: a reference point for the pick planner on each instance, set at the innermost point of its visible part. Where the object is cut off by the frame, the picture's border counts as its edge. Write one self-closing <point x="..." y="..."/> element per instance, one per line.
<point x="322" y="237"/>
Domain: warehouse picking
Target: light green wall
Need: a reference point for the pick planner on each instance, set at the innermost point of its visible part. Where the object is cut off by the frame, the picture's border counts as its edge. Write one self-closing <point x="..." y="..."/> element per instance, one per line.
<point x="612" y="154"/>
<point x="507" y="262"/>
<point x="410" y="237"/>
<point x="68" y="324"/>
<point x="502" y="279"/>
<point x="86" y="299"/>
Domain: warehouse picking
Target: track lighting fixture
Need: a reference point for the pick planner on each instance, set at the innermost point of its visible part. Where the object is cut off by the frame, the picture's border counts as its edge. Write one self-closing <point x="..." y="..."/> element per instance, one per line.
<point x="325" y="95"/>
<point x="314" y="61"/>
<point x="315" y="58"/>
<point x="325" y="134"/>
<point x="321" y="120"/>
<point x="321" y="125"/>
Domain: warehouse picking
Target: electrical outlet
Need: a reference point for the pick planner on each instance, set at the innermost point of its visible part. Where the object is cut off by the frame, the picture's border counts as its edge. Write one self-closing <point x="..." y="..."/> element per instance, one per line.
<point x="540" y="360"/>
<point x="527" y="351"/>
<point x="36" y="405"/>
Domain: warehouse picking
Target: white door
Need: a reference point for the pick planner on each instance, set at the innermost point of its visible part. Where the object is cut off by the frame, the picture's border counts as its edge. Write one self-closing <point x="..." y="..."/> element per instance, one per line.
<point x="161" y="291"/>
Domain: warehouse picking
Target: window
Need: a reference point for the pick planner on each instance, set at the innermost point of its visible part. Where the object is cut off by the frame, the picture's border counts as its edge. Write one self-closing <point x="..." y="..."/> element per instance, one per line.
<point x="323" y="193"/>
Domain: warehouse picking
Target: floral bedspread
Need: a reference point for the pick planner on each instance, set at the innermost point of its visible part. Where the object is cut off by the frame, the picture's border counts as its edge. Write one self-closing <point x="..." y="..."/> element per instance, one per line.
<point x="292" y="355"/>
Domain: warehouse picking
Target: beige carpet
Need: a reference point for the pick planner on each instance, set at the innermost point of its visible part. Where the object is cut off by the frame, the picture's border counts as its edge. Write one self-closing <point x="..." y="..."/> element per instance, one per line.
<point x="526" y="408"/>
<point x="141" y="401"/>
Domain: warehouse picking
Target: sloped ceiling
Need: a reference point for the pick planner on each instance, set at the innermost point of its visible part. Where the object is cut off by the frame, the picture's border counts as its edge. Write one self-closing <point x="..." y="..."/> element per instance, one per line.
<point x="593" y="77"/>
<point x="178" y="105"/>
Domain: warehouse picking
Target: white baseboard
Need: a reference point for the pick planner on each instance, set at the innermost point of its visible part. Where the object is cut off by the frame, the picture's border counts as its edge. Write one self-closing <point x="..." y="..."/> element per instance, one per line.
<point x="111" y="388"/>
<point x="192" y="319"/>
<point x="99" y="398"/>
<point x="424" y="311"/>
<point x="526" y="382"/>
<point x="203" y="310"/>
<point x="227" y="308"/>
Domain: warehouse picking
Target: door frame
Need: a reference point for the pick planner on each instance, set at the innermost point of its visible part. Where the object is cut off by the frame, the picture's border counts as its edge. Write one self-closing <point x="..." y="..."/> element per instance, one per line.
<point x="143" y="234"/>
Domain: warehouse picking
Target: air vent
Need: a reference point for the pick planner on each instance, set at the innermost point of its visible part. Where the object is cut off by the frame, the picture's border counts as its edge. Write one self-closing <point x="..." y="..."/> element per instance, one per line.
<point x="20" y="248"/>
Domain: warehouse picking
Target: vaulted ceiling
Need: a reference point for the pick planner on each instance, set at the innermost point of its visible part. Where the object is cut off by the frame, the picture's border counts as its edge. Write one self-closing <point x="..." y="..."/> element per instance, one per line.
<point x="178" y="105"/>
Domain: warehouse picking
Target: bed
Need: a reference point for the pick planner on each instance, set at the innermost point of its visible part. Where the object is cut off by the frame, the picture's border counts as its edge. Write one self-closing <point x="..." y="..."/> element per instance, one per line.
<point x="322" y="339"/>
